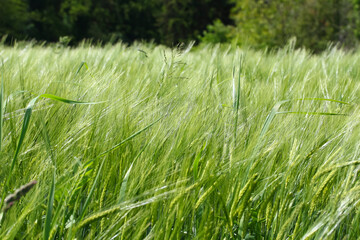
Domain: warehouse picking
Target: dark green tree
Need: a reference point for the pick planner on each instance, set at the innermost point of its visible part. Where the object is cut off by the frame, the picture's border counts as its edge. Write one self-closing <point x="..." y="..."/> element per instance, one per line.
<point x="184" y="20"/>
<point x="314" y="23"/>
<point x="46" y="20"/>
<point x="124" y="20"/>
<point x="325" y="21"/>
<point x="14" y="18"/>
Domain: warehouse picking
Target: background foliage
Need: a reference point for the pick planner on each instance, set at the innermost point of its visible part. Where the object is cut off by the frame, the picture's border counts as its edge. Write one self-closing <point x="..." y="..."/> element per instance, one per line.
<point x="259" y="23"/>
<point x="314" y="23"/>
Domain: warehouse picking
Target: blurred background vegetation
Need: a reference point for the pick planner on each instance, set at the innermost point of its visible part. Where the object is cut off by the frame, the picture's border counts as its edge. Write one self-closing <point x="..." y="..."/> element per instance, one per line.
<point x="256" y="23"/>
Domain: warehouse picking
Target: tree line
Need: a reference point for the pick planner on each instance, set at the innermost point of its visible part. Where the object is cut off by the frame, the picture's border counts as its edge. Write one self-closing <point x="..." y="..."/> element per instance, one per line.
<point x="258" y="23"/>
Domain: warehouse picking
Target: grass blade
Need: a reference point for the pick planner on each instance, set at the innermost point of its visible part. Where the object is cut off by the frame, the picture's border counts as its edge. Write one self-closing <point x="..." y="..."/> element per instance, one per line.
<point x="64" y="100"/>
<point x="323" y="99"/>
<point x="226" y="213"/>
<point x="49" y="211"/>
<point x="237" y="100"/>
<point x="236" y="95"/>
<point x="2" y="102"/>
<point x="314" y="113"/>
<point x="196" y="162"/>
<point x="82" y="64"/>
<point x="234" y="88"/>
<point x="129" y="138"/>
<point x="124" y="185"/>
<point x="275" y="110"/>
<point x="87" y="201"/>
<point x="46" y="138"/>
<point x="271" y="116"/>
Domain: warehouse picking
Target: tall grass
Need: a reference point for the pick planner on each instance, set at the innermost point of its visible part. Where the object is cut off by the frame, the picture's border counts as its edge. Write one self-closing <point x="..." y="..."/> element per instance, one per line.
<point x="206" y="143"/>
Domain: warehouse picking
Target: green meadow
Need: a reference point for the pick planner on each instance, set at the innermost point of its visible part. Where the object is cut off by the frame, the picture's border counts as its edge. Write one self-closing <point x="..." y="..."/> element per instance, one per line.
<point x="209" y="142"/>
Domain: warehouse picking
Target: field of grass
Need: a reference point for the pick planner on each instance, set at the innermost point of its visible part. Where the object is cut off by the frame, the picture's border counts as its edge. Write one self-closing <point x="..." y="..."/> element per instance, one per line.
<point x="146" y="142"/>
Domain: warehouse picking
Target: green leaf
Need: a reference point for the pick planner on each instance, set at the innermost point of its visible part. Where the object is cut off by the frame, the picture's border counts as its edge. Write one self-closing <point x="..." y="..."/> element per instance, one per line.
<point x="322" y="99"/>
<point x="124" y="185"/>
<point x="196" y="162"/>
<point x="87" y="201"/>
<point x="313" y="113"/>
<point x="49" y="210"/>
<point x="271" y="116"/>
<point x="275" y="110"/>
<point x="82" y="64"/>
<point x="64" y="100"/>
<point x="2" y="102"/>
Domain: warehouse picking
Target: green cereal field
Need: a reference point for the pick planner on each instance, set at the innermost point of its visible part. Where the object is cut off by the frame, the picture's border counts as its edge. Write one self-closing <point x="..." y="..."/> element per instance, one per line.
<point x="205" y="142"/>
